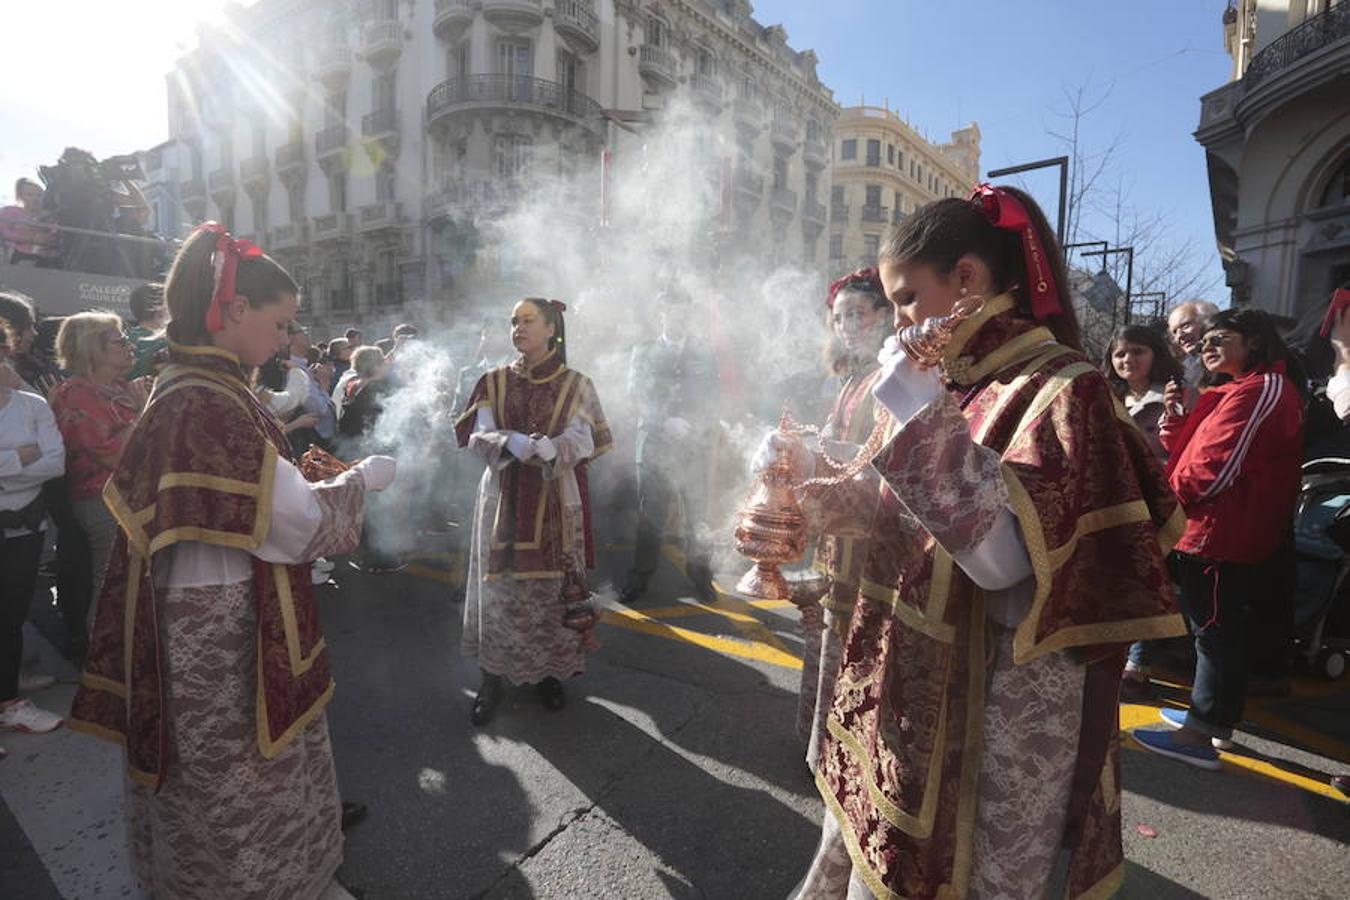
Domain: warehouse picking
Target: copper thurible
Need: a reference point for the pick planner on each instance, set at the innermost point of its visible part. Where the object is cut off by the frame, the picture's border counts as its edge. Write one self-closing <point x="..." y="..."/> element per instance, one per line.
<point x="771" y="528"/>
<point x="925" y="343"/>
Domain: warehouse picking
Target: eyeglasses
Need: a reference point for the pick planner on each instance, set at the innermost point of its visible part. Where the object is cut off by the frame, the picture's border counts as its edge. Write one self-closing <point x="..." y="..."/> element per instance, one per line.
<point x="1214" y="341"/>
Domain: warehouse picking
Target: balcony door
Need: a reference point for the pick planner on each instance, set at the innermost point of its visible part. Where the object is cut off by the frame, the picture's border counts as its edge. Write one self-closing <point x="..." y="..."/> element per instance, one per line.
<point x="571" y="81"/>
<point x="515" y="61"/>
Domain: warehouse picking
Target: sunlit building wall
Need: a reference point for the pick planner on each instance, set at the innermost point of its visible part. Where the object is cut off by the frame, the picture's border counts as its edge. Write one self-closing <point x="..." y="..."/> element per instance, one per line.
<point x="366" y="143"/>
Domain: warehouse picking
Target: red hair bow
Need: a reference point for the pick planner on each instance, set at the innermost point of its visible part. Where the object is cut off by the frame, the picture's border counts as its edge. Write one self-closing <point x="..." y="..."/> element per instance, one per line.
<point x="1340" y="300"/>
<point x="864" y="279"/>
<point x="1006" y="212"/>
<point x="558" y="305"/>
<point x="224" y="267"/>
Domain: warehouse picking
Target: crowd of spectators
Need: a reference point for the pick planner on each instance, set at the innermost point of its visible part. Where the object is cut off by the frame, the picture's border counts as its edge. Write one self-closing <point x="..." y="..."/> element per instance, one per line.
<point x="67" y="407"/>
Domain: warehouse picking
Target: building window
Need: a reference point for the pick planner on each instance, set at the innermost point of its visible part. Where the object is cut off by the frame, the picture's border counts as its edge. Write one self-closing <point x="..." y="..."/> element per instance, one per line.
<point x="899" y="203"/>
<point x="873" y="196"/>
<point x="812" y="186"/>
<point x="383" y="91"/>
<point x="388" y="290"/>
<point x="340" y="297"/>
<point x="513" y="58"/>
<point x="295" y="202"/>
<point x="836" y="246"/>
<point x="1337" y="192"/>
<point x="511" y="155"/>
<point x="386" y="184"/>
<point x="457" y="62"/>
<point x="656" y="31"/>
<point x="780" y="171"/>
<point x="849" y="150"/>
<point x="571" y="76"/>
<point x="900" y="160"/>
<point x="890" y="154"/>
<point x="335" y="110"/>
<point x="871" y="247"/>
<point x="813" y="130"/>
<point x="874" y="153"/>
<point x="337" y="191"/>
<point x="837" y="197"/>
<point x="705" y="63"/>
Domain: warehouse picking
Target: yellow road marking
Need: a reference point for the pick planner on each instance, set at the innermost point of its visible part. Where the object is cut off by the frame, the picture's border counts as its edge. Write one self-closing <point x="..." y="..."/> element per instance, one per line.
<point x="633" y="620"/>
<point x="750" y="627"/>
<point x="1135" y="715"/>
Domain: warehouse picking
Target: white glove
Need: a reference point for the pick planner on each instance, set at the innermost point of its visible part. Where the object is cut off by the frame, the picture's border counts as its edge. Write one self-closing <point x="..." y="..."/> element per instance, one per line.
<point x="377" y="471"/>
<point x="544" y="449"/>
<point x="904" y="387"/>
<point x="776" y="444"/>
<point x="519" y="445"/>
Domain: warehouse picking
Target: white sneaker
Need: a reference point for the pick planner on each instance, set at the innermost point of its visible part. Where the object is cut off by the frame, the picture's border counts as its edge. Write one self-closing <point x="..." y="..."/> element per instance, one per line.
<point x="324" y="565"/>
<point x="317" y="576"/>
<point x="29" y="684"/>
<point x="1221" y="743"/>
<point x="22" y="715"/>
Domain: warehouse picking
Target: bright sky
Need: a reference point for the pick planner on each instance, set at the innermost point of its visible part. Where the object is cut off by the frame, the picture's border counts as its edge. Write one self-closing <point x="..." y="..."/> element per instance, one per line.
<point x="92" y="74"/>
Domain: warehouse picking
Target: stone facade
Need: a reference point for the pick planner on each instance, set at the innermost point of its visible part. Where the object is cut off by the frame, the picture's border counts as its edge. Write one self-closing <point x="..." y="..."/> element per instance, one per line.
<point x="882" y="170"/>
<point x="1277" y="142"/>
<point x="365" y="144"/>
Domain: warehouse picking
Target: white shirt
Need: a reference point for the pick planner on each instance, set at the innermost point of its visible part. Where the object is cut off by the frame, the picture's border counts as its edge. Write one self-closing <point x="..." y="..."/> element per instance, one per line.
<point x="27" y="419"/>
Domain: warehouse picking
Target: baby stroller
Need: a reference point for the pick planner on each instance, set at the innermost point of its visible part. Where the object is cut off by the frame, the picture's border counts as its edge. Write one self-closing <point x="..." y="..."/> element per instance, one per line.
<point x="1322" y="544"/>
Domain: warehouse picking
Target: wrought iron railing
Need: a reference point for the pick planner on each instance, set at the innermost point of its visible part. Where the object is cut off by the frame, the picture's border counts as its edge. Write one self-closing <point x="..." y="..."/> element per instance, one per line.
<point x="1327" y="27"/>
<point x="512" y="89"/>
<point x="579" y="15"/>
<point x="875" y="213"/>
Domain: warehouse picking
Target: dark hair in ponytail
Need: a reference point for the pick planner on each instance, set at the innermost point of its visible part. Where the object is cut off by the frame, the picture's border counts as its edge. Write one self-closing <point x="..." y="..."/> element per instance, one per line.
<point x="191" y="284"/>
<point x="552" y="311"/>
<point x="938" y="234"/>
<point x="1266" y="346"/>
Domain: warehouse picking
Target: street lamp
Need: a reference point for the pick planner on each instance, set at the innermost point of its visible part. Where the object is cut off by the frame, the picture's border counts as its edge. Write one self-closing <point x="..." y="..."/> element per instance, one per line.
<point x="1129" y="275"/>
<point x="1063" y="163"/>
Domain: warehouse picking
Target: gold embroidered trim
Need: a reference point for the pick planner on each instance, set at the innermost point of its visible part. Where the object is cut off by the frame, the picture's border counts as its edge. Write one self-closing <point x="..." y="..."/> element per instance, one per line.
<point x="908" y="615"/>
<point x="1011" y="353"/>
<point x="1107" y="887"/>
<point x="300" y="664"/>
<point x="268" y="746"/>
<point x="952" y="362"/>
<point x="860" y="863"/>
<point x="1131" y="513"/>
<point x="99" y="683"/>
<point x="210" y="482"/>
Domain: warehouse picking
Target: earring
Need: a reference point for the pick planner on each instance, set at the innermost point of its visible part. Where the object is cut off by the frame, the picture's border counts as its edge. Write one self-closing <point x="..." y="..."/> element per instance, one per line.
<point x="964" y="291"/>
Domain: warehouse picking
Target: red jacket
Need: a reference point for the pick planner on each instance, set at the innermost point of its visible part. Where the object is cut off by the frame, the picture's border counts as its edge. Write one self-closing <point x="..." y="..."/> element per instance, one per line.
<point x="1235" y="466"/>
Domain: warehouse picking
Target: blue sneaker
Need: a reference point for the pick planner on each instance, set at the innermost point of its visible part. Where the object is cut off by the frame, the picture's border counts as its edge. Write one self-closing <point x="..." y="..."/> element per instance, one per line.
<point x="1165" y="743"/>
<point x="1177" y="719"/>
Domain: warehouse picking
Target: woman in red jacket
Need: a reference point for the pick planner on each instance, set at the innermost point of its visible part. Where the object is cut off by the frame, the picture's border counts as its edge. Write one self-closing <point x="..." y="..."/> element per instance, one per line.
<point x="1234" y="466"/>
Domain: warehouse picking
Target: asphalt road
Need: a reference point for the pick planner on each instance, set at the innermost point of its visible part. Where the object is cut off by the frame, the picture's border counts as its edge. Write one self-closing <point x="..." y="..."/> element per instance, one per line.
<point x="674" y="771"/>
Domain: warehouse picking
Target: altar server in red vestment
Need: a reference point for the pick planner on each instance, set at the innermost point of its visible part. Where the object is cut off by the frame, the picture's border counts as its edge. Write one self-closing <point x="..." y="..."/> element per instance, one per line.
<point x="972" y="740"/>
<point x="537" y="425"/>
<point x="207" y="660"/>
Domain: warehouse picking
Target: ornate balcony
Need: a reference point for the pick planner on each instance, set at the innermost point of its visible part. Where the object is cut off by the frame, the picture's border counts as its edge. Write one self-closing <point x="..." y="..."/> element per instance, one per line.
<point x="657" y="65"/>
<point x="330" y="145"/>
<point x="879" y="214"/>
<point x="749" y="185"/>
<point x="511" y="92"/>
<point x="383" y="43"/>
<point x="514" y="15"/>
<point x="468" y="199"/>
<point x="289" y="237"/>
<point x="452" y="18"/>
<point x="1313" y="34"/>
<point x="380" y="130"/>
<point x="784" y="135"/>
<point x="749" y="113"/>
<point x="334" y="66"/>
<point x="222" y="186"/>
<point x="783" y="201"/>
<point x="290" y="160"/>
<point x="194" y="191"/>
<point x="815" y="154"/>
<point x="381" y="217"/>
<point x="578" y="24"/>
<point x="707" y="91"/>
<point x="255" y="174"/>
<point x="332" y="227"/>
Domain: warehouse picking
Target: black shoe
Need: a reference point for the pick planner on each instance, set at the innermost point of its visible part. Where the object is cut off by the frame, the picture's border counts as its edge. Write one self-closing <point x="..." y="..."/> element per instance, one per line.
<point x="352" y="813"/>
<point x="551" y="693"/>
<point x="632" y="592"/>
<point x="485" y="704"/>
